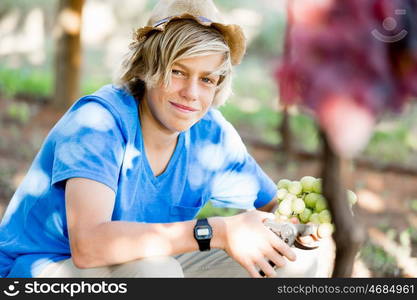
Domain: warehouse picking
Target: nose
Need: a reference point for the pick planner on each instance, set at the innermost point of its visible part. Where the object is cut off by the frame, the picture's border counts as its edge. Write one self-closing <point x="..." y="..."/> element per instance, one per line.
<point x="189" y="90"/>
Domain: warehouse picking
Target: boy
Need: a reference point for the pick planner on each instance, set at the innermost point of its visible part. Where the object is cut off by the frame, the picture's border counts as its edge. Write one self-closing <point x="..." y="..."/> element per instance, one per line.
<point x="116" y="185"/>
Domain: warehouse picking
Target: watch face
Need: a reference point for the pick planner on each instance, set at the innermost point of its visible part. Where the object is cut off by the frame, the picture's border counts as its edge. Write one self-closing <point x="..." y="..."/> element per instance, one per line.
<point x="203" y="232"/>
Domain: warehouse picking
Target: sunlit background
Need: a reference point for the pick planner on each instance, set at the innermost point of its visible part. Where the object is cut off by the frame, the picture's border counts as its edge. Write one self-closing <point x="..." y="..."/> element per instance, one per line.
<point x="384" y="176"/>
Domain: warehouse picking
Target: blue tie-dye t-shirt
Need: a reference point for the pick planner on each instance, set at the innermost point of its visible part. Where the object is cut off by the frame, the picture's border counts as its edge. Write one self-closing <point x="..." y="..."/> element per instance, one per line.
<point x="100" y="138"/>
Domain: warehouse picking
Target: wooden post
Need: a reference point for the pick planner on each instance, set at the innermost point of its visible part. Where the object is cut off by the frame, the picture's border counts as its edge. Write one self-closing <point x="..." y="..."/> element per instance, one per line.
<point x="68" y="53"/>
<point x="349" y="234"/>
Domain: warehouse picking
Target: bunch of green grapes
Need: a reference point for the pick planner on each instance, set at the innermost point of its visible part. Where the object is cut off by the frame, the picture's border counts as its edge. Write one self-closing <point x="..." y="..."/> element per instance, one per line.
<point x="302" y="201"/>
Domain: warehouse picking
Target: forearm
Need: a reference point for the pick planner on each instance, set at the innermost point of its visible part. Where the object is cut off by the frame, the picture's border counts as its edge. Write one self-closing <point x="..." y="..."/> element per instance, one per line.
<point x="118" y="242"/>
<point x="271" y="206"/>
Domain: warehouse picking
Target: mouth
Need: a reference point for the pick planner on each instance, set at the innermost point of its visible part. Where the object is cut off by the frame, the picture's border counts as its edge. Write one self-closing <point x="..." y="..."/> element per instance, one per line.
<point x="183" y="108"/>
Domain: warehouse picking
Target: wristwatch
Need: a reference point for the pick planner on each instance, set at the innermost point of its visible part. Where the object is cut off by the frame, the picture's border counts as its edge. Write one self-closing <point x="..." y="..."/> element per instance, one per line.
<point x="203" y="234"/>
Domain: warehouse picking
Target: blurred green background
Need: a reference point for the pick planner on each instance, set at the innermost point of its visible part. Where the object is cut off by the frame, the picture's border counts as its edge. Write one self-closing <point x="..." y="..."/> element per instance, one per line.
<point x="27" y="53"/>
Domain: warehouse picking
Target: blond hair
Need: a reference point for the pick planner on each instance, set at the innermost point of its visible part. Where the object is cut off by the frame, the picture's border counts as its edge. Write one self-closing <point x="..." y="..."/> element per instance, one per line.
<point x="150" y="61"/>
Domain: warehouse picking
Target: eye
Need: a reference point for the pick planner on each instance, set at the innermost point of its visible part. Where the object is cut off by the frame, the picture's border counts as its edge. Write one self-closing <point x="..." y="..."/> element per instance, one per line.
<point x="208" y="80"/>
<point x="177" y="72"/>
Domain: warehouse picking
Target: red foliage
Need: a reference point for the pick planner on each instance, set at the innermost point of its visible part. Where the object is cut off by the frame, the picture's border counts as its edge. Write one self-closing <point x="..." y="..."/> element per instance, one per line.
<point x="365" y="50"/>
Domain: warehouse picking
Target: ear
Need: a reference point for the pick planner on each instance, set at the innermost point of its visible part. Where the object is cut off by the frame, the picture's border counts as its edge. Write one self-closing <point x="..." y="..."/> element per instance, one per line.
<point x="141" y="77"/>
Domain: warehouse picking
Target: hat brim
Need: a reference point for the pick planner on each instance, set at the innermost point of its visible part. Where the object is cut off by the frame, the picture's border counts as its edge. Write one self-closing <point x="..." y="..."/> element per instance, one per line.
<point x="233" y="34"/>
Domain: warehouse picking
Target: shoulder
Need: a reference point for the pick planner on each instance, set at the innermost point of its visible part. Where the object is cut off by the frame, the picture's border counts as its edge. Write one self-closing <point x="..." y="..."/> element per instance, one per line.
<point x="116" y="98"/>
<point x="217" y="130"/>
<point x="108" y="105"/>
<point x="226" y="128"/>
<point x="215" y="121"/>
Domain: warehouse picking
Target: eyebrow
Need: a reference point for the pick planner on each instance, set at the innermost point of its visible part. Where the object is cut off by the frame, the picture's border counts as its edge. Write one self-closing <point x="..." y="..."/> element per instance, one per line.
<point x="204" y="72"/>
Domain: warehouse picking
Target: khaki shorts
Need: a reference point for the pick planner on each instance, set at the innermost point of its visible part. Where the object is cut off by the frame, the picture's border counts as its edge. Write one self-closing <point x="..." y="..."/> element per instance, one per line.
<point x="212" y="264"/>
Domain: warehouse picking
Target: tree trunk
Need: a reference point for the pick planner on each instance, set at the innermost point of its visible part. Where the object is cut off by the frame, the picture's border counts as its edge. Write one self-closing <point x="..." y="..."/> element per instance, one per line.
<point x="349" y="233"/>
<point x="68" y="53"/>
<point x="286" y="136"/>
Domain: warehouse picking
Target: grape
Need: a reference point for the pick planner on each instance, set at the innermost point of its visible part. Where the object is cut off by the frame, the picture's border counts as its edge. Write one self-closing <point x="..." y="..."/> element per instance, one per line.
<point x="317" y="187"/>
<point x="280" y="218"/>
<point x="285" y="207"/>
<point x="314" y="218"/>
<point x="325" y="216"/>
<point x="295" y="188"/>
<point x="325" y="230"/>
<point x="305" y="215"/>
<point x="302" y="202"/>
<point x="308" y="182"/>
<point x="311" y="199"/>
<point x="283" y="183"/>
<point x="281" y="194"/>
<point x="290" y="197"/>
<point x="321" y="204"/>
<point x="298" y="205"/>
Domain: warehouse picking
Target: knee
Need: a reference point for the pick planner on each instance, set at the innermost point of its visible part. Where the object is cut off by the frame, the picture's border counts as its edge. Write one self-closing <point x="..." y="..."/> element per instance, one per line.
<point x="160" y="266"/>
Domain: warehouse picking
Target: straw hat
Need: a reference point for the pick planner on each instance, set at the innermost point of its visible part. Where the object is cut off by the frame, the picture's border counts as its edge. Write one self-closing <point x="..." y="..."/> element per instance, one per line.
<point x="202" y="11"/>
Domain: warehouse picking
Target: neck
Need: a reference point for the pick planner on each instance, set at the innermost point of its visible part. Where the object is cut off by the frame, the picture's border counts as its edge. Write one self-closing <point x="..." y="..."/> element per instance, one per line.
<point x="155" y="136"/>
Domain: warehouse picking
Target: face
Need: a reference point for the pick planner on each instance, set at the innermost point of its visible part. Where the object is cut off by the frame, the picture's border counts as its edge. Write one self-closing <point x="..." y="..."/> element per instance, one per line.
<point x="187" y="98"/>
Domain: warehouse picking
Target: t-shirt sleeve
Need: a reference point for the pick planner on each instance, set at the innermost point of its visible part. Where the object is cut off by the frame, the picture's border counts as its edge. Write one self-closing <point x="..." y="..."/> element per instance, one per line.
<point x="89" y="144"/>
<point x="241" y="183"/>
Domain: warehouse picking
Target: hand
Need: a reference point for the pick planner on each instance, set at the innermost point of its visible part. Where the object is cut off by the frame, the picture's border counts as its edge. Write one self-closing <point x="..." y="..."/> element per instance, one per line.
<point x="317" y="262"/>
<point x="252" y="244"/>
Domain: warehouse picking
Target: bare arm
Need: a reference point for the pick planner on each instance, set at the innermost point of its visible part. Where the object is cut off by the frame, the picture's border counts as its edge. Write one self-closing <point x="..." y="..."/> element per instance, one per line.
<point x="96" y="241"/>
<point x="271" y="206"/>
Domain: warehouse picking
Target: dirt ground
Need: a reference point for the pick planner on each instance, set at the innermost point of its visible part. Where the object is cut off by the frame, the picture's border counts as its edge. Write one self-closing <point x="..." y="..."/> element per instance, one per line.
<point x="383" y="208"/>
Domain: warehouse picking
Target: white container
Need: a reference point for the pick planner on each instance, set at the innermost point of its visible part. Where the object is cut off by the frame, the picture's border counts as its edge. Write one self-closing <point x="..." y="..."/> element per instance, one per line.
<point x="318" y="262"/>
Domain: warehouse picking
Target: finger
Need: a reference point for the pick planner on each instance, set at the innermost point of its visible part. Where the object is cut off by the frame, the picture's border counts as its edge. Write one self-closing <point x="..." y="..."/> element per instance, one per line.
<point x="294" y="220"/>
<point x="279" y="245"/>
<point x="266" y="267"/>
<point x="266" y="216"/>
<point x="283" y="248"/>
<point x="315" y="236"/>
<point x="275" y="259"/>
<point x="253" y="272"/>
<point x="262" y="272"/>
<point x="307" y="239"/>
